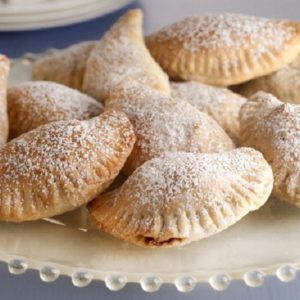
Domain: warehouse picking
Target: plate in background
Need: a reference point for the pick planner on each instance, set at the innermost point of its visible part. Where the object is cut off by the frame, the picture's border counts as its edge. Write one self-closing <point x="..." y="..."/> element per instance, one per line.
<point x="68" y="12"/>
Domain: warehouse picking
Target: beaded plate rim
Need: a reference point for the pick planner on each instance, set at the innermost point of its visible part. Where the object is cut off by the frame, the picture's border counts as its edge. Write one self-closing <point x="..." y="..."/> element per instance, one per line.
<point x="220" y="281"/>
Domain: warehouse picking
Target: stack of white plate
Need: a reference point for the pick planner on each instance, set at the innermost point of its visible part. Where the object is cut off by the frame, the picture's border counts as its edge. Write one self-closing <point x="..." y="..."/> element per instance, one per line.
<point x="33" y="14"/>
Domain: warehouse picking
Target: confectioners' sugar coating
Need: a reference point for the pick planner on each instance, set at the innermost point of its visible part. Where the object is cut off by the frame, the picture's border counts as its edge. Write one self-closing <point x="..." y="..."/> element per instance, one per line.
<point x="219" y="31"/>
<point x="182" y="197"/>
<point x="122" y="55"/>
<point x="35" y="103"/>
<point x="164" y="124"/>
<point x="224" y="49"/>
<point x="273" y="128"/>
<point x="220" y="103"/>
<point x="284" y="83"/>
<point x="62" y="165"/>
<point x="66" y="66"/>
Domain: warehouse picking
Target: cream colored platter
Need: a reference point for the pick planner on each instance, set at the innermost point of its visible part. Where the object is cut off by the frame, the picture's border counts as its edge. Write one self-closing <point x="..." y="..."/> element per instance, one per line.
<point x="264" y="243"/>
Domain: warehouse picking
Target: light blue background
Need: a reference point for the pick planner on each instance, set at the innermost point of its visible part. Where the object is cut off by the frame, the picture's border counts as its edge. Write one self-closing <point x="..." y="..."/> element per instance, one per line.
<point x="157" y="13"/>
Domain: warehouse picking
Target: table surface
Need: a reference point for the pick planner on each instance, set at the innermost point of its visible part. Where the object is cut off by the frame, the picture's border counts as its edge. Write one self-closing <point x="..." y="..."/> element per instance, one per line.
<point x="157" y="13"/>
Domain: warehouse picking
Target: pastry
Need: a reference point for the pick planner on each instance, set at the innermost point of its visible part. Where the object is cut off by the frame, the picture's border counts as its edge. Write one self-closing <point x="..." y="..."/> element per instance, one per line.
<point x="273" y="128"/>
<point x="4" y="70"/>
<point x="220" y="103"/>
<point x="164" y="124"/>
<point x="183" y="197"/>
<point x="66" y="66"/>
<point x="62" y="165"/>
<point x="284" y="83"/>
<point x="224" y="49"/>
<point x="122" y="55"/>
<point x="35" y="103"/>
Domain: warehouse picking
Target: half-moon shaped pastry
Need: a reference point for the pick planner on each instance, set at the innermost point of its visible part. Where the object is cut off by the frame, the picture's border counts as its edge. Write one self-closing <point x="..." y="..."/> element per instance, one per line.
<point x="224" y="49"/>
<point x="273" y="128"/>
<point x="4" y="70"/>
<point x="122" y="55"/>
<point x="36" y="103"/>
<point x="66" y="66"/>
<point x="62" y="165"/>
<point x="164" y="124"/>
<point x="284" y="84"/>
<point x="220" y="103"/>
<point x="183" y="197"/>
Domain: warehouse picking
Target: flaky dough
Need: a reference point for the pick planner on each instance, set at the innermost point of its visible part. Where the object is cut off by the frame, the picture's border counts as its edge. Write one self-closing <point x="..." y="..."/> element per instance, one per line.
<point x="224" y="49"/>
<point x="66" y="66"/>
<point x="165" y="124"/>
<point x="35" y="103"/>
<point x="273" y="128"/>
<point x="122" y="55"/>
<point x="62" y="165"/>
<point x="220" y="103"/>
<point x="183" y="197"/>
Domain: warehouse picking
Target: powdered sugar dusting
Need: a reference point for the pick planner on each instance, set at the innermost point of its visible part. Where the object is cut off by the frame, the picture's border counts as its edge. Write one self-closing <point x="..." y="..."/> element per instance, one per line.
<point x="283" y="127"/>
<point x="64" y="155"/>
<point x="66" y="66"/>
<point x="121" y="55"/>
<point x="275" y="131"/>
<point x="54" y="147"/>
<point x="284" y="83"/>
<point x="130" y="63"/>
<point x="219" y="31"/>
<point x="205" y="96"/>
<point x="164" y="124"/>
<point x="258" y="108"/>
<point x="220" y="103"/>
<point x="291" y="76"/>
<point x="39" y="102"/>
<point x="202" y="180"/>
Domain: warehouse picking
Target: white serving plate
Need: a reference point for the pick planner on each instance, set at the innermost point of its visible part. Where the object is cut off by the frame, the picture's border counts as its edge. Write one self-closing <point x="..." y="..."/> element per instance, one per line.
<point x="57" y="17"/>
<point x="48" y="15"/>
<point x="17" y="8"/>
<point x="52" y="15"/>
<point x="264" y="243"/>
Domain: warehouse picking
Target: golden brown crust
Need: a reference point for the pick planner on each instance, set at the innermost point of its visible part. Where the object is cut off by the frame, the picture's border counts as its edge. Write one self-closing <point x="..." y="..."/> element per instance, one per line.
<point x="284" y="83"/>
<point x="164" y="124"/>
<point x="224" y="49"/>
<point x="122" y="55"/>
<point x="66" y="66"/>
<point x="183" y="197"/>
<point x="62" y="165"/>
<point x="35" y="103"/>
<point x="4" y="70"/>
<point x="273" y="128"/>
<point x="220" y="103"/>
